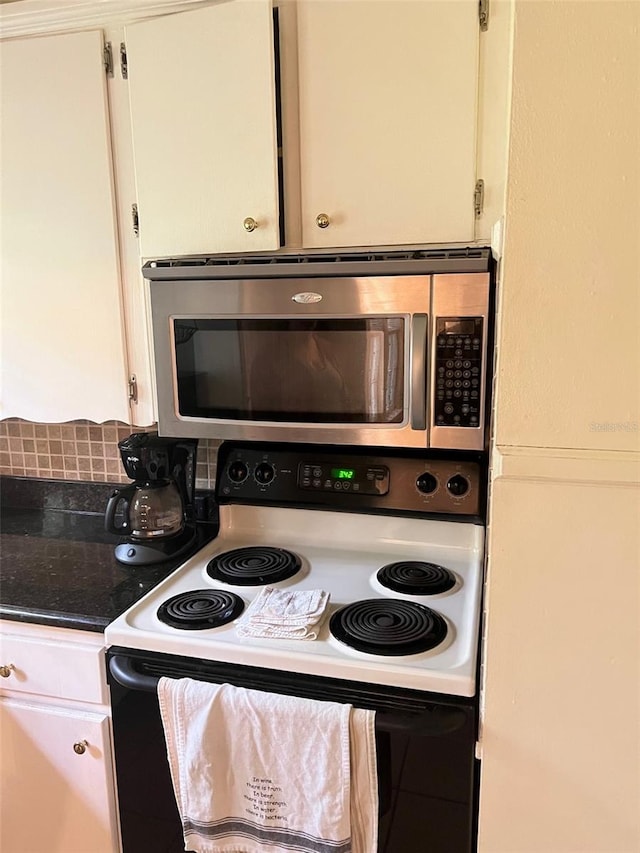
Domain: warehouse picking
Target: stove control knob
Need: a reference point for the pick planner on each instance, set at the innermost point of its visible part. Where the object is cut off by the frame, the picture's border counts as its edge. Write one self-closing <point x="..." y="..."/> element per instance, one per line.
<point x="264" y="473"/>
<point x="426" y="483"/>
<point x="458" y="485"/>
<point x="238" y="471"/>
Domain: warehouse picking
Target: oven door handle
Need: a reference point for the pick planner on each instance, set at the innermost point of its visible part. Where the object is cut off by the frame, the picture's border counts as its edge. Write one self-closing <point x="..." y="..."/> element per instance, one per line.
<point x="126" y="675"/>
<point x="435" y="721"/>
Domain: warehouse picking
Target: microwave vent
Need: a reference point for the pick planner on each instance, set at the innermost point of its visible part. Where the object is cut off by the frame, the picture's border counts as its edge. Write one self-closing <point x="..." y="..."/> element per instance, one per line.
<point x="414" y="261"/>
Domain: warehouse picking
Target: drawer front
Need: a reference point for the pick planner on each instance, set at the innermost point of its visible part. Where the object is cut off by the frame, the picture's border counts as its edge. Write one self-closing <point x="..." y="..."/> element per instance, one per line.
<point x="45" y="667"/>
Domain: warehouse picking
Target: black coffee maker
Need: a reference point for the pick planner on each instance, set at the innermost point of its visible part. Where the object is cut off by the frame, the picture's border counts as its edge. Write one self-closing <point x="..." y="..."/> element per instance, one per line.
<point x="157" y="509"/>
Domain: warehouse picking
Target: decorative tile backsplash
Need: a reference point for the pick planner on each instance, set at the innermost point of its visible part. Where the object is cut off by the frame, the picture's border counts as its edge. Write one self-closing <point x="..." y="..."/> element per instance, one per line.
<point x="80" y="450"/>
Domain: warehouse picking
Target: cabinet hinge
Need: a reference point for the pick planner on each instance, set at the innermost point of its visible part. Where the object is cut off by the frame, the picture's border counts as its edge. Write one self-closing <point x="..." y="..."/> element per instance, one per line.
<point x="124" y="70"/>
<point x="135" y="219"/>
<point x="478" y="750"/>
<point x="133" y="389"/>
<point x="107" y="58"/>
<point x="483" y="14"/>
<point x="478" y="198"/>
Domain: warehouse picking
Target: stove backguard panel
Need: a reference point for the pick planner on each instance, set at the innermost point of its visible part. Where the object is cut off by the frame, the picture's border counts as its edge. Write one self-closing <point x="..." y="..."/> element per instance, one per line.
<point x="353" y="480"/>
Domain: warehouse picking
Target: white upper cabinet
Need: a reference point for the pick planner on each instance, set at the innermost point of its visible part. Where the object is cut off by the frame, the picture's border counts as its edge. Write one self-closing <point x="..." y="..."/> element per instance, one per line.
<point x="203" y="111"/>
<point x="63" y="354"/>
<point x="377" y="143"/>
<point x="387" y="114"/>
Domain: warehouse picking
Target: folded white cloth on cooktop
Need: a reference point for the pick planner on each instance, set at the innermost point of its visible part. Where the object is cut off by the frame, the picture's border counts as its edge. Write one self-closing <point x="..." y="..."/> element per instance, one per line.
<point x="284" y="614"/>
<point x="258" y="772"/>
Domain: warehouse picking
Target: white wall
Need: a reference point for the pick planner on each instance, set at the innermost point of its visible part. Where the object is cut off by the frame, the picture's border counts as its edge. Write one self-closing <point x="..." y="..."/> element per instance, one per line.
<point x="560" y="729"/>
<point x="569" y="351"/>
<point x="561" y="693"/>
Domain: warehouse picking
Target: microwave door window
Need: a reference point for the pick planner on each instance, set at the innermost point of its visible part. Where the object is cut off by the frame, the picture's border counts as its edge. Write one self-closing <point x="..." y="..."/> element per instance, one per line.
<point x="207" y="375"/>
<point x="297" y="374"/>
<point x="290" y="370"/>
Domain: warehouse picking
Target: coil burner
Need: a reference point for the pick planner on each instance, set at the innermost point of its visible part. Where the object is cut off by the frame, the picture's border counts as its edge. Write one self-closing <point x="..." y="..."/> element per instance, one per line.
<point x="416" y="578"/>
<point x="199" y="609"/>
<point x="383" y="626"/>
<point x="254" y="566"/>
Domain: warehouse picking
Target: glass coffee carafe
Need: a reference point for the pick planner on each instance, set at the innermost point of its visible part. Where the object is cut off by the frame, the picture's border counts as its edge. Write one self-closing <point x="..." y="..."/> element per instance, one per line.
<point x="150" y="510"/>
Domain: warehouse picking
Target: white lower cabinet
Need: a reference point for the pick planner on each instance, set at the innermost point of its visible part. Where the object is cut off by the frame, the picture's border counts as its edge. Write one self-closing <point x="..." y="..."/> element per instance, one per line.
<point x="56" y="764"/>
<point x="56" y="780"/>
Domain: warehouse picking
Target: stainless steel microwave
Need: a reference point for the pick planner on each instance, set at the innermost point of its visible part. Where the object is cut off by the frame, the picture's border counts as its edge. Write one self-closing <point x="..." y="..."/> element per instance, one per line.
<point x="387" y="349"/>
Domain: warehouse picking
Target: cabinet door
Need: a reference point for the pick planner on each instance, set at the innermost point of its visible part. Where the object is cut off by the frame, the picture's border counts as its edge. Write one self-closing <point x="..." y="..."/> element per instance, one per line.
<point x="53" y="798"/>
<point x="202" y="87"/>
<point x="63" y="352"/>
<point x="388" y="93"/>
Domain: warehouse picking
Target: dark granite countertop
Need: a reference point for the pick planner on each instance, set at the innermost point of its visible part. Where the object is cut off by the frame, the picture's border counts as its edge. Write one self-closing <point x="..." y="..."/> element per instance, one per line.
<point x="56" y="561"/>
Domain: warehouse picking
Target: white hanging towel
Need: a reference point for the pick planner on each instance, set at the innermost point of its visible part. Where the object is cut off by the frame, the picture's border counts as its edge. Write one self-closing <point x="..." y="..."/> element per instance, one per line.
<point x="258" y="772"/>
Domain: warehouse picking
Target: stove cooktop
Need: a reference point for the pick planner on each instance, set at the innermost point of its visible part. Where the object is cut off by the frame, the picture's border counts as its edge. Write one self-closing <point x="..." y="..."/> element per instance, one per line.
<point x="350" y="556"/>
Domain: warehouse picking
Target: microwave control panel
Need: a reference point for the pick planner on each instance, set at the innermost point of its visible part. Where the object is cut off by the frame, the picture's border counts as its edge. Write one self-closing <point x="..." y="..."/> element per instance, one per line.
<point x="458" y="371"/>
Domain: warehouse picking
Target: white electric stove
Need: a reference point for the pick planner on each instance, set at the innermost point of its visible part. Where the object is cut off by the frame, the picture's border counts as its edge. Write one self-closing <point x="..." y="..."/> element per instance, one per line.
<point x="396" y="542"/>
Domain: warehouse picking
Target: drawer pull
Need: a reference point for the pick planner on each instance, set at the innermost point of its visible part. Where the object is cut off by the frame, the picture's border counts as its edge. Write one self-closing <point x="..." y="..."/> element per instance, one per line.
<point x="5" y="671"/>
<point x="250" y="224"/>
<point x="322" y="220"/>
<point x="81" y="747"/>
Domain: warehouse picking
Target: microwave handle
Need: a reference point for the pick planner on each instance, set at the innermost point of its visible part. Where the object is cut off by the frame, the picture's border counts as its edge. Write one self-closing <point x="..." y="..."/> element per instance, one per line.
<point x="419" y="371"/>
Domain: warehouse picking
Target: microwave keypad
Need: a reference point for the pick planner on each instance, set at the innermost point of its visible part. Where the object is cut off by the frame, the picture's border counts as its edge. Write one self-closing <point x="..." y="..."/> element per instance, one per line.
<point x="368" y="480"/>
<point x="458" y="371"/>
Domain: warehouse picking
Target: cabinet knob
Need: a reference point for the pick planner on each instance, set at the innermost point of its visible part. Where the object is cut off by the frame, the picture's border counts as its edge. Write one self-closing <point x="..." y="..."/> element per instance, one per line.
<point x="322" y="220"/>
<point x="250" y="224"/>
<point x="5" y="671"/>
<point x="81" y="747"/>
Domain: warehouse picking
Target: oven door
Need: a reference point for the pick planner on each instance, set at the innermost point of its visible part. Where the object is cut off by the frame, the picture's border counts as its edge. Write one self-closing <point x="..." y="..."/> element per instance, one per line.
<point x="339" y="361"/>
<point x="425" y="743"/>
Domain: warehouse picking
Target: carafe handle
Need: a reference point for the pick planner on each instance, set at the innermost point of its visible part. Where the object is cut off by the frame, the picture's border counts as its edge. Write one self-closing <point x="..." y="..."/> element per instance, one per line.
<point x="119" y="496"/>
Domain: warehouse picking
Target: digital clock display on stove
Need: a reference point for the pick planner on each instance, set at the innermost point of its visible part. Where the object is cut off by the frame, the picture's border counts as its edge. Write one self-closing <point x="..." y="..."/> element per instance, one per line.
<point x="343" y="473"/>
